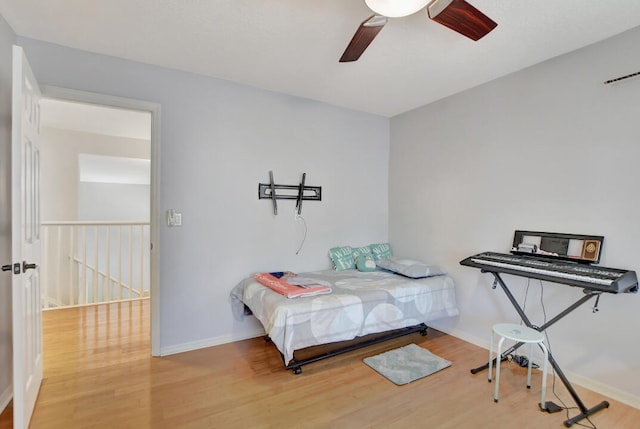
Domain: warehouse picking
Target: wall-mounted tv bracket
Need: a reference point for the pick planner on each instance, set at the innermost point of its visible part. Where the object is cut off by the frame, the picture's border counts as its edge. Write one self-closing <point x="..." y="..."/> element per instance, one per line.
<point x="299" y="192"/>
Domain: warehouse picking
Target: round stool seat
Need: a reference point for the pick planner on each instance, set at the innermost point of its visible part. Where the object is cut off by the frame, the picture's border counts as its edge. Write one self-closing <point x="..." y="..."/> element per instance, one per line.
<point x="519" y="333"/>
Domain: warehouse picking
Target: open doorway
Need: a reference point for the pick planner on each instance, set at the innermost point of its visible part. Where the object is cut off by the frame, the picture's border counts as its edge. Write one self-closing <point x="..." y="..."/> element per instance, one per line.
<point x="100" y="171"/>
<point x="95" y="203"/>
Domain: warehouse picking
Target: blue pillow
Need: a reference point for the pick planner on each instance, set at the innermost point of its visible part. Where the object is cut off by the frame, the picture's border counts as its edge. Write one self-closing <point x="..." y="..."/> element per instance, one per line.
<point x="365" y="263"/>
<point x="365" y="250"/>
<point x="381" y="251"/>
<point x="342" y="258"/>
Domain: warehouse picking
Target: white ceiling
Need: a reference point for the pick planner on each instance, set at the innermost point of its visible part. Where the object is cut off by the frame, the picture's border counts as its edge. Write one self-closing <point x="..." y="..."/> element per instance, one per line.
<point x="293" y="46"/>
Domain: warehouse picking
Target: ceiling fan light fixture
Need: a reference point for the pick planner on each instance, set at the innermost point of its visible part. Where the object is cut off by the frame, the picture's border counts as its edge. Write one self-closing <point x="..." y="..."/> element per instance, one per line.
<point x="395" y="8"/>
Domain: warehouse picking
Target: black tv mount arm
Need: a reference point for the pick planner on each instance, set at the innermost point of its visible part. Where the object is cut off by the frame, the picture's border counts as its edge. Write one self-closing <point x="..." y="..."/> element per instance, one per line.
<point x="301" y="192"/>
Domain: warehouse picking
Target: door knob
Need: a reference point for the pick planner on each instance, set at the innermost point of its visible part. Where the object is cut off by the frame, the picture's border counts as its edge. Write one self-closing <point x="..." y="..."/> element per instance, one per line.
<point x="26" y="266"/>
<point x="15" y="267"/>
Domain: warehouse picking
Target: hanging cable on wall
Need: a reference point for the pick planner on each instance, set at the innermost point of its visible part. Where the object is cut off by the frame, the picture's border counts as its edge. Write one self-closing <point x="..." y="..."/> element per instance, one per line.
<point x="304" y="237"/>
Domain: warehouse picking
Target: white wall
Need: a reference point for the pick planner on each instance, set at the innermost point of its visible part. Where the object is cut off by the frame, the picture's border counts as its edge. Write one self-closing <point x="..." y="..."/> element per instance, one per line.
<point x="7" y="37"/>
<point x="114" y="202"/>
<point x="219" y="140"/>
<point x="61" y="198"/>
<point x="549" y="148"/>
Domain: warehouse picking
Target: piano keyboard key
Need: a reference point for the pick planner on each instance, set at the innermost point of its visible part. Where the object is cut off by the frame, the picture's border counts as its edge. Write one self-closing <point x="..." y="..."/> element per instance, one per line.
<point x="561" y="274"/>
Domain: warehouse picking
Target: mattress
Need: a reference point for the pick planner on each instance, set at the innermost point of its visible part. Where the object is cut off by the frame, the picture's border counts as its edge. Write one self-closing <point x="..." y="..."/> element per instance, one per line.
<point x="361" y="303"/>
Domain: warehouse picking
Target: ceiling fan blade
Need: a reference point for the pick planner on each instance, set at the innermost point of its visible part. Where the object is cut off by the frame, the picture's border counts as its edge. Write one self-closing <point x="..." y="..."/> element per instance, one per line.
<point x="462" y="17"/>
<point x="365" y="34"/>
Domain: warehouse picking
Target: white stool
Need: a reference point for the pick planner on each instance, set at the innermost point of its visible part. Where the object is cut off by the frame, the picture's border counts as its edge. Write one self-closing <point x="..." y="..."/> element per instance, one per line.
<point x="521" y="334"/>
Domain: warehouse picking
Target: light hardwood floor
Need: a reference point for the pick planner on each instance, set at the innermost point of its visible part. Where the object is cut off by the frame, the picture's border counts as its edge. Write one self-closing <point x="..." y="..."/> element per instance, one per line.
<point x="98" y="373"/>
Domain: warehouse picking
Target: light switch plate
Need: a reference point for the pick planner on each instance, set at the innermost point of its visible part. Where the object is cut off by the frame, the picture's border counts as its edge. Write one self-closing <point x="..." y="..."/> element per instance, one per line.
<point x="174" y="218"/>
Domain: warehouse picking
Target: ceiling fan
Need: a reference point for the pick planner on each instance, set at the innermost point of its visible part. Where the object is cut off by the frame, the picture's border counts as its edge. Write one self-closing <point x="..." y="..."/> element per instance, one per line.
<point x="458" y="15"/>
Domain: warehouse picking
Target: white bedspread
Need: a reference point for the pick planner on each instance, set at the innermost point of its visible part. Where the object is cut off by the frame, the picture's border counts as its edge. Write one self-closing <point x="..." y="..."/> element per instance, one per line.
<point x="360" y="304"/>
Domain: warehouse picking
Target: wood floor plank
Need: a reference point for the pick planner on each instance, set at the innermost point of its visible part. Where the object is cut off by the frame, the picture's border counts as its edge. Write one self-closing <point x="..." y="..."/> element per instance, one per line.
<point x="98" y="373"/>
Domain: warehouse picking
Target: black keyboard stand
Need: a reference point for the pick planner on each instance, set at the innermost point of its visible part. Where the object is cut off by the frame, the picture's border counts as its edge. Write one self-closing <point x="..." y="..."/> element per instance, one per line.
<point x="584" y="411"/>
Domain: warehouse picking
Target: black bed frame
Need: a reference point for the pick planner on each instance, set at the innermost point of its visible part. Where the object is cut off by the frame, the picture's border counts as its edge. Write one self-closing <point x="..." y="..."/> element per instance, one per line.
<point x="295" y="364"/>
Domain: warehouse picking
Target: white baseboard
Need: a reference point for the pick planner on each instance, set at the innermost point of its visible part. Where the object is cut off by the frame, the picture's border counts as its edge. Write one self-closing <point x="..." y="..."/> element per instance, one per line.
<point x="476" y="341"/>
<point x="603" y="389"/>
<point x="6" y="397"/>
<point x="209" y="342"/>
<point x="579" y="380"/>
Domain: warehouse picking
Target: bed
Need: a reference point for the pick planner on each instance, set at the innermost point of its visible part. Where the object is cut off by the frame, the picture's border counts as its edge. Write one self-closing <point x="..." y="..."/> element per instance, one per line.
<point x="360" y="303"/>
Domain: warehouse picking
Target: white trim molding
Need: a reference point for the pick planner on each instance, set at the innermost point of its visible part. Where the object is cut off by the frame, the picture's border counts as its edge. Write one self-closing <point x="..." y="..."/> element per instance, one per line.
<point x="209" y="342"/>
<point x="6" y="397"/>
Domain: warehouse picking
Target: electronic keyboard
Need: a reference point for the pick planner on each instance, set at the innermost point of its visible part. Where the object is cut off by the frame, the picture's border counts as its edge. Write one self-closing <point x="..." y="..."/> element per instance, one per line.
<point x="611" y="280"/>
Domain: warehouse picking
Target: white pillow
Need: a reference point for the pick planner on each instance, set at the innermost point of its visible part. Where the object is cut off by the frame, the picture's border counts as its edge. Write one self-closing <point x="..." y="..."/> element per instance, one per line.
<point x="410" y="268"/>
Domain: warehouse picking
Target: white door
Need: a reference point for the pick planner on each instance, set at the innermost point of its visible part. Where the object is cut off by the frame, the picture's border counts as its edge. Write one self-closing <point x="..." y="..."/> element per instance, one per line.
<point x="25" y="241"/>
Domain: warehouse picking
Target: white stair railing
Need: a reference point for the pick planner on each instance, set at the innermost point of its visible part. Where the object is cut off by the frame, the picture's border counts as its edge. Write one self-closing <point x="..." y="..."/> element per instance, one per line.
<point x="94" y="262"/>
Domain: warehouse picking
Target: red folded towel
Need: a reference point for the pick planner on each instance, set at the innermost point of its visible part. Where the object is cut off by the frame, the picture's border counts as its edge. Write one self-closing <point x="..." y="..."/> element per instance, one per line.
<point x="289" y="290"/>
